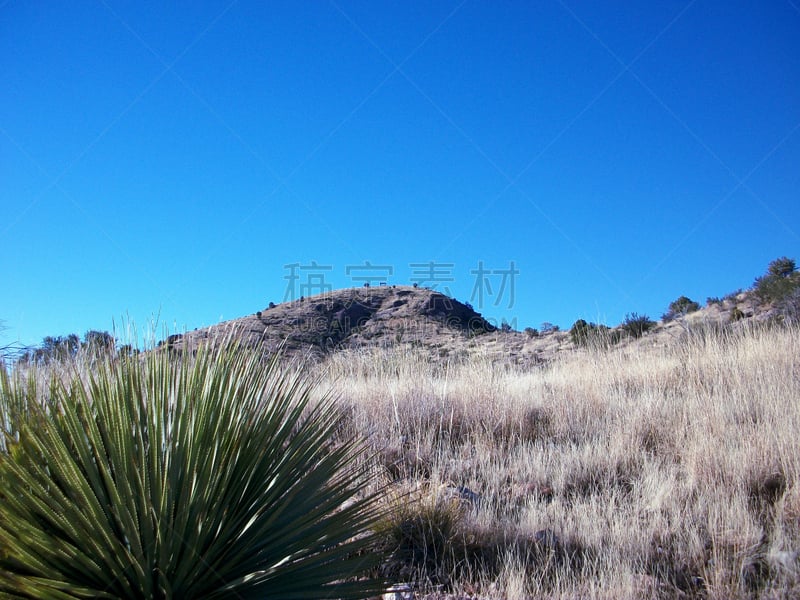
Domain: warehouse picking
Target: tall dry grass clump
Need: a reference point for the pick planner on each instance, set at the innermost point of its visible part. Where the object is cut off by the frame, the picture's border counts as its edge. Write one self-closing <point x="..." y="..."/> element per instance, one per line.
<point x="634" y="472"/>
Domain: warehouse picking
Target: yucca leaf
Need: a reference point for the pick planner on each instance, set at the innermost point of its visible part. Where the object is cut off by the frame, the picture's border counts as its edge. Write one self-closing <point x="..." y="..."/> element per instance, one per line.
<point x="212" y="476"/>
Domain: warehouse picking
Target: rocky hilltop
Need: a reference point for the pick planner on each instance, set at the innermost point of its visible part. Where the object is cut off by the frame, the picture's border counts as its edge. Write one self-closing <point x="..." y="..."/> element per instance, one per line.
<point x="356" y="318"/>
<point x="406" y="317"/>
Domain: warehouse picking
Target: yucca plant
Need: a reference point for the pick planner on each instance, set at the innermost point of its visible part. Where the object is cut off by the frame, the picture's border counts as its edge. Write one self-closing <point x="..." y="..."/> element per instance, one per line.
<point x="214" y="476"/>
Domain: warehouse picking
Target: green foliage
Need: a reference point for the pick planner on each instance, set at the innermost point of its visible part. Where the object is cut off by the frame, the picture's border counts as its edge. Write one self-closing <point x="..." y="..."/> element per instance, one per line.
<point x="779" y="282"/>
<point x="679" y="308"/>
<point x="63" y="348"/>
<point x="579" y="332"/>
<point x="98" y="343"/>
<point x="782" y="267"/>
<point x="583" y="333"/>
<point x="208" y="477"/>
<point x="637" y="325"/>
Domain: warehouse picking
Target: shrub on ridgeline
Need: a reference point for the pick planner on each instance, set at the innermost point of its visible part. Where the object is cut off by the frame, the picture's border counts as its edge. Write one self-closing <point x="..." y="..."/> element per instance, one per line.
<point x="637" y="325"/>
<point x="782" y="267"/>
<point x="98" y="343"/>
<point x="215" y="476"/>
<point x="583" y="333"/>
<point x="579" y="332"/>
<point x="780" y="280"/>
<point x="680" y="308"/>
<point x="52" y="349"/>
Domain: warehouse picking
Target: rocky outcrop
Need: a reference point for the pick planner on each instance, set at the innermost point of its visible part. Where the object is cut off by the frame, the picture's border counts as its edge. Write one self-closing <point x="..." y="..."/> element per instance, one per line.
<point x="352" y="318"/>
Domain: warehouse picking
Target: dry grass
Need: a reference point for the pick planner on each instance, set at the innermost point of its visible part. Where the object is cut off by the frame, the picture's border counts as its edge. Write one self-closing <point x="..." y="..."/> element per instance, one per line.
<point x="628" y="473"/>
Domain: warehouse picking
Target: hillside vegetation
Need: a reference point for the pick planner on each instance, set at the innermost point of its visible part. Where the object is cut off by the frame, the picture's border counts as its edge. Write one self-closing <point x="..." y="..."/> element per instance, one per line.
<point x="610" y="474"/>
<point x="648" y="460"/>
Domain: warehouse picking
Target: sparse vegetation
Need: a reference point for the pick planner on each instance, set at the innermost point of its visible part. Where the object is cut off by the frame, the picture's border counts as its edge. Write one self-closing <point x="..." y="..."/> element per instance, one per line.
<point x="64" y="348"/>
<point x="658" y="469"/>
<point x="648" y="473"/>
<point x="680" y="308"/>
<point x="637" y="325"/>
<point x="583" y="333"/>
<point x="779" y="282"/>
<point x="782" y="267"/>
<point x="548" y="327"/>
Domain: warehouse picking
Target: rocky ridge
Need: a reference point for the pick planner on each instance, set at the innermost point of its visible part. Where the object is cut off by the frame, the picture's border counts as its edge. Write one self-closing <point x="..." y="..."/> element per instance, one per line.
<point x="421" y="319"/>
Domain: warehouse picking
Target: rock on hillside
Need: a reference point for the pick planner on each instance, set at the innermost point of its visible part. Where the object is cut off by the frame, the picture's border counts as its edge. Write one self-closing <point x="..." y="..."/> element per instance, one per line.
<point x="353" y="318"/>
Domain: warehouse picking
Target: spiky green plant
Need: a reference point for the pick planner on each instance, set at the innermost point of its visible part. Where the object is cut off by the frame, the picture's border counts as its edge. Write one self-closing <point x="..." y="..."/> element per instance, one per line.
<point x="216" y="476"/>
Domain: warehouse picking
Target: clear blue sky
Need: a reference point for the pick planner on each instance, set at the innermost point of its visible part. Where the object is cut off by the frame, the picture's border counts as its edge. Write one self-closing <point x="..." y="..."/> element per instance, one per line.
<point x="173" y="161"/>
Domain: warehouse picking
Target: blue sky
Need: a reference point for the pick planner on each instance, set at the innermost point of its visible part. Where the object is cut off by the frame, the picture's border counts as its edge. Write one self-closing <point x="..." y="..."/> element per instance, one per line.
<point x="173" y="161"/>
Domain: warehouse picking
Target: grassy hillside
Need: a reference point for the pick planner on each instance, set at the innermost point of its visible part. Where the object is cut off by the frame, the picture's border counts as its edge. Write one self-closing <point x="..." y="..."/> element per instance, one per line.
<point x="629" y="473"/>
<point x="592" y="463"/>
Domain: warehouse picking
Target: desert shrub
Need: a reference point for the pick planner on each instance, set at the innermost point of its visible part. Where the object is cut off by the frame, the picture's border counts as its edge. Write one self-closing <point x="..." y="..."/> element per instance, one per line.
<point x="531" y="332"/>
<point x="711" y="300"/>
<point x="583" y="333"/>
<point x="637" y="325"/>
<point x="206" y="477"/>
<point x="782" y="267"/>
<point x="52" y="348"/>
<point x="579" y="332"/>
<point x="779" y="282"/>
<point x="679" y="308"/>
<point x="736" y="314"/>
<point x="98" y="342"/>
<point x="548" y="327"/>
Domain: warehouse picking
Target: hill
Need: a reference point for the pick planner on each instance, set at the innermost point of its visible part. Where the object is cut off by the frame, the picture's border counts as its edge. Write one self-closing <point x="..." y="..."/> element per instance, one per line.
<point x="356" y="318"/>
<point x="406" y="317"/>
